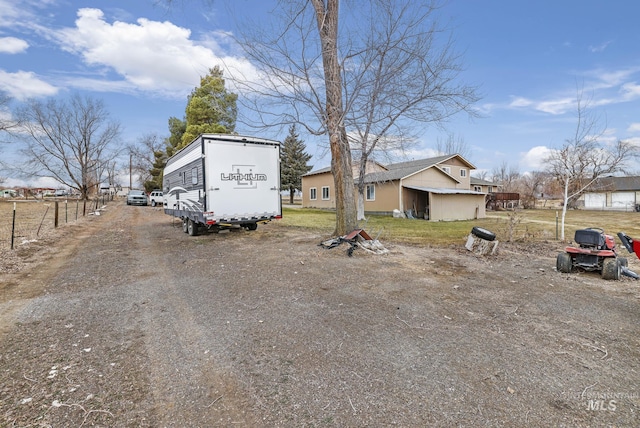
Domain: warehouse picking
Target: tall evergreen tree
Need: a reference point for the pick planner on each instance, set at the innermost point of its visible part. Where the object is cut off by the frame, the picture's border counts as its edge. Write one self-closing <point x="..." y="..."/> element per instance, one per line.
<point x="293" y="162"/>
<point x="210" y="109"/>
<point x="177" y="128"/>
<point x="160" y="161"/>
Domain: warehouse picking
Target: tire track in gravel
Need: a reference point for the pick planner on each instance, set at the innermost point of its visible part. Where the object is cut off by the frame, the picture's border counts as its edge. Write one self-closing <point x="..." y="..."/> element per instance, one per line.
<point x="188" y="386"/>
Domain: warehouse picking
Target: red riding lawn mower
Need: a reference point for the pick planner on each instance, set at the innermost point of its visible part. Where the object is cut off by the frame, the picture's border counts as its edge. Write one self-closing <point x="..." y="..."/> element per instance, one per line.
<point x="596" y="251"/>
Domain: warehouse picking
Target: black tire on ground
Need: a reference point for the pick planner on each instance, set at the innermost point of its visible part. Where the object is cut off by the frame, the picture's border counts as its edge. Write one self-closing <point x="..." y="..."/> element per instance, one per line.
<point x="252" y="226"/>
<point x="564" y="263"/>
<point x="185" y="225"/>
<point x="611" y="268"/>
<point x="192" y="228"/>
<point x="153" y="203"/>
<point x="483" y="233"/>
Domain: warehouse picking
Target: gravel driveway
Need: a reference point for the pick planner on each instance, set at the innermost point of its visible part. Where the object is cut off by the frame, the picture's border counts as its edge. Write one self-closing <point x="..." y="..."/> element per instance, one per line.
<point x="125" y="321"/>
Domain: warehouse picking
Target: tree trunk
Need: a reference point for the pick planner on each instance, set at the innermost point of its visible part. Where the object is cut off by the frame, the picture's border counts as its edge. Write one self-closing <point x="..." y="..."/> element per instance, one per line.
<point x="327" y="20"/>
<point x="564" y="207"/>
<point x="291" y="192"/>
<point x="360" y="215"/>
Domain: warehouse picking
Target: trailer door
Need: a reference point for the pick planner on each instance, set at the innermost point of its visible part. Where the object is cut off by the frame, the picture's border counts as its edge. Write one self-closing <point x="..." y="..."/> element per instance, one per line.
<point x="243" y="179"/>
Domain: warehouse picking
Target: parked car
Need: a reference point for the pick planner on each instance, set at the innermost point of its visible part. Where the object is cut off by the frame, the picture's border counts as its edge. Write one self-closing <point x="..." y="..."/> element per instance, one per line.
<point x="136" y="197"/>
<point x="155" y="198"/>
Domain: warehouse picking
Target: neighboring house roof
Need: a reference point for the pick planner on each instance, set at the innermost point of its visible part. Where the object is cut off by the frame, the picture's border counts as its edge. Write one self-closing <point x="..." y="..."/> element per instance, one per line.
<point x="609" y="184"/>
<point x="481" y="182"/>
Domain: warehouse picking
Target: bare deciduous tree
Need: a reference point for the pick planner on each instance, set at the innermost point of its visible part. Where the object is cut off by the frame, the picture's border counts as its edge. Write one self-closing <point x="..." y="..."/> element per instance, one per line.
<point x="398" y="74"/>
<point x="583" y="159"/>
<point x="378" y="78"/>
<point x="453" y="144"/>
<point x="143" y="156"/>
<point x="71" y="141"/>
<point x="530" y="185"/>
<point x="7" y="121"/>
<point x="506" y="176"/>
<point x="301" y="83"/>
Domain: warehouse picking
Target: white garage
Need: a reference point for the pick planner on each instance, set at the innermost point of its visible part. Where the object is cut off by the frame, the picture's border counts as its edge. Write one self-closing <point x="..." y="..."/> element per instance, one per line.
<point x="595" y="201"/>
<point x="623" y="200"/>
<point x="613" y="193"/>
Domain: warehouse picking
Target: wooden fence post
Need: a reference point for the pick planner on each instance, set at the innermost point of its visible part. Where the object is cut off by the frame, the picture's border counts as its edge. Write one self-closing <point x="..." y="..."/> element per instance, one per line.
<point x="13" y="225"/>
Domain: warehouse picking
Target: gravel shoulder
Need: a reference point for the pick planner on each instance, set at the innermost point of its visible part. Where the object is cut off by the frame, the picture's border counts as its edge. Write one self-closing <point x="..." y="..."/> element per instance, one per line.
<point x="123" y="320"/>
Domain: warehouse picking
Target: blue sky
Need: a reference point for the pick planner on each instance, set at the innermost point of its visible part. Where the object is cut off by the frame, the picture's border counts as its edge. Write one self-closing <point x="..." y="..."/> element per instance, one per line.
<point x="526" y="57"/>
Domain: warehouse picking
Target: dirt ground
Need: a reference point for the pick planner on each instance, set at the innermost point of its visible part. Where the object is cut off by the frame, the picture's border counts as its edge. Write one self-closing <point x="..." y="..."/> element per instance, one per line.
<point x="122" y="320"/>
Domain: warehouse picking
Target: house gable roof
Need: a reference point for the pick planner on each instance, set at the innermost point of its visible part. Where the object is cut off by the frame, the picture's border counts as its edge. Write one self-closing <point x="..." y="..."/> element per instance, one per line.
<point x="400" y="170"/>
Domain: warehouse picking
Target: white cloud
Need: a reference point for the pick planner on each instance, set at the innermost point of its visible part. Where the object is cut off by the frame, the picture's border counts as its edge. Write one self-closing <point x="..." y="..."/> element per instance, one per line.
<point x="557" y="106"/>
<point x="149" y="55"/>
<point x="12" y="45"/>
<point x="25" y="84"/>
<point x="634" y="128"/>
<point x="534" y="159"/>
<point x="520" y="102"/>
<point x="601" y="47"/>
<point x="630" y="91"/>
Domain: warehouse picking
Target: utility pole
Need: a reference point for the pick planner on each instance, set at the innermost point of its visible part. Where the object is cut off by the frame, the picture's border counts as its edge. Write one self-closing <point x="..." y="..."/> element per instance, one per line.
<point x="130" y="169"/>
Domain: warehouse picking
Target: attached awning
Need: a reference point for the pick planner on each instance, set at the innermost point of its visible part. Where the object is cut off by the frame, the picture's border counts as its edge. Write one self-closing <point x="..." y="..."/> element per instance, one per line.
<point x="444" y="191"/>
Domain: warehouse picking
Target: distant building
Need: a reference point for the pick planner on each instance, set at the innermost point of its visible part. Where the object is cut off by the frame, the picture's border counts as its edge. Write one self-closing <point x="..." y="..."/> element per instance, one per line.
<point x="8" y="193"/>
<point x="612" y="193"/>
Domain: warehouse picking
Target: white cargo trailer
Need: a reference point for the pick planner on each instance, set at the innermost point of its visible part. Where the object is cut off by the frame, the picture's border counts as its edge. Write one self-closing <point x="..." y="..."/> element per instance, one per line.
<point x="223" y="181"/>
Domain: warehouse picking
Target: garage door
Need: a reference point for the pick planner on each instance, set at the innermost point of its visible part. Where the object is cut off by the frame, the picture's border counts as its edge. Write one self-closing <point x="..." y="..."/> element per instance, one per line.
<point x="623" y="200"/>
<point x="595" y="201"/>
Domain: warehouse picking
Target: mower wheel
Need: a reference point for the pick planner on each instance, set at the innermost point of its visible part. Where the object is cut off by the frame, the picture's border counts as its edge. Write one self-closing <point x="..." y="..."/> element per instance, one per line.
<point x="623" y="261"/>
<point x="611" y="268"/>
<point x="483" y="233"/>
<point x="564" y="263"/>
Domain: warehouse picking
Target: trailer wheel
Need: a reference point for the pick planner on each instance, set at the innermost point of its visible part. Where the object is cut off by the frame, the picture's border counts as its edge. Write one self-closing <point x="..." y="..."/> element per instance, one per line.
<point x="611" y="268"/>
<point x="185" y="225"/>
<point x="564" y="263"/>
<point x="483" y="233"/>
<point x="252" y="226"/>
<point x="192" y="228"/>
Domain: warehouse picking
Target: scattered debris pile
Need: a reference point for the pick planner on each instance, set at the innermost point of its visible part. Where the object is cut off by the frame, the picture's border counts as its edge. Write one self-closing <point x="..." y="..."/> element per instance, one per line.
<point x="482" y="241"/>
<point x="356" y="239"/>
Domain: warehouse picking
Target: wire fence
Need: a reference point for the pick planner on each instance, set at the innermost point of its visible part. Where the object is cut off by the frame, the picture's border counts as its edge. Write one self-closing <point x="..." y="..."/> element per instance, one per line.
<point x="27" y="220"/>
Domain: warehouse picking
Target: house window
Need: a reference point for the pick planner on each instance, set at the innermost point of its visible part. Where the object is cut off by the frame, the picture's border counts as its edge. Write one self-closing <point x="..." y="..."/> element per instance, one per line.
<point x="371" y="192"/>
<point x="325" y="193"/>
<point x="313" y="193"/>
<point x="477" y="189"/>
<point x="490" y="189"/>
<point x="194" y="176"/>
<point x="463" y="172"/>
<point x="446" y="169"/>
